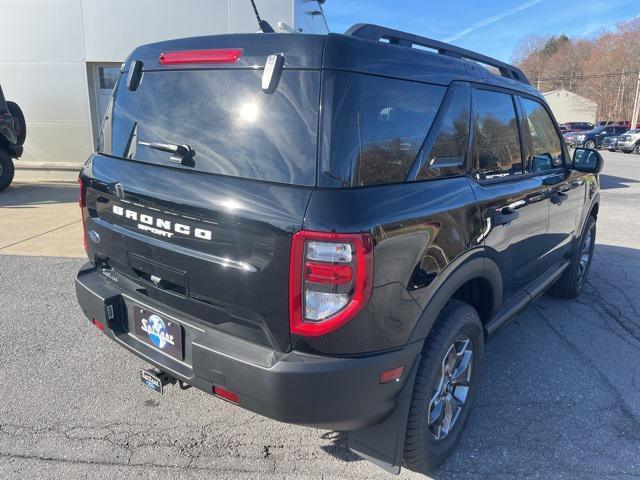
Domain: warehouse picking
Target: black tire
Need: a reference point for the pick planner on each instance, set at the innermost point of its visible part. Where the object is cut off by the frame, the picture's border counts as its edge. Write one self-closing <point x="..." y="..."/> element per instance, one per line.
<point x="422" y="451"/>
<point x="590" y="144"/>
<point x="571" y="283"/>
<point x="6" y="170"/>
<point x="19" y="122"/>
<point x="627" y="151"/>
<point x="637" y="149"/>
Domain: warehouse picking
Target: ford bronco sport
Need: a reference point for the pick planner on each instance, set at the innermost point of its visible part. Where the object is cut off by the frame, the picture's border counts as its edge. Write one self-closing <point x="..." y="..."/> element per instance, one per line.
<point x="325" y="230"/>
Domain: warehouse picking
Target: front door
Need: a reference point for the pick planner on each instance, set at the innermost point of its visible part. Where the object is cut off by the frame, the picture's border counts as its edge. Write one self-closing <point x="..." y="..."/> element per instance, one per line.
<point x="548" y="159"/>
<point x="514" y="204"/>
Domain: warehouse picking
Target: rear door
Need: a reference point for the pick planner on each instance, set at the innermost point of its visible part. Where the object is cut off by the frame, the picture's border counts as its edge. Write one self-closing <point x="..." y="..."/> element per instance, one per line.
<point x="202" y="178"/>
<point x="514" y="205"/>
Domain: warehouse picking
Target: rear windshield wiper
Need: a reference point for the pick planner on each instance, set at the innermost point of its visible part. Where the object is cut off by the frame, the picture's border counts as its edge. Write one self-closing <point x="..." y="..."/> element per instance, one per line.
<point x="182" y="154"/>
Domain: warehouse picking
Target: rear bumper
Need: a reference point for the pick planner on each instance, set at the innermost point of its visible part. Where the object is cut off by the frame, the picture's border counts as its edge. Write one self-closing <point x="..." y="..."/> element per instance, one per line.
<point x="327" y="392"/>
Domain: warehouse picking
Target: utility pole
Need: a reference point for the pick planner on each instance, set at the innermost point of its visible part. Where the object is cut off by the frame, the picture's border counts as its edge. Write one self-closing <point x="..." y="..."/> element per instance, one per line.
<point x="636" y="105"/>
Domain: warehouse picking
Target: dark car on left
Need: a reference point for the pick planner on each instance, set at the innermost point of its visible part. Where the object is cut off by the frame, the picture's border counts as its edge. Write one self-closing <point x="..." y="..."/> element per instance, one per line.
<point x="610" y="142"/>
<point x="13" y="132"/>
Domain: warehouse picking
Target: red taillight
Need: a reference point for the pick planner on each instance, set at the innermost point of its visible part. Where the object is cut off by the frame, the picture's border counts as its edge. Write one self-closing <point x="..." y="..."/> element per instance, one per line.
<point x="327" y="273"/>
<point x="81" y="204"/>
<point x="226" y="394"/>
<point x="330" y="280"/>
<point x="201" y="56"/>
<point x="99" y="324"/>
<point x="391" y="375"/>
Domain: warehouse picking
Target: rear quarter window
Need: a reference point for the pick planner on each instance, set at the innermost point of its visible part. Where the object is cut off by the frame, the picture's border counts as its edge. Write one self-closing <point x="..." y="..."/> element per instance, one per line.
<point x="373" y="127"/>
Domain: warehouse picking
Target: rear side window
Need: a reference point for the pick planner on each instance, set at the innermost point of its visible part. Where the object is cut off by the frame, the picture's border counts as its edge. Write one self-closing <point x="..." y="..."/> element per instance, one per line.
<point x="233" y="127"/>
<point x="373" y="128"/>
<point x="547" y="149"/>
<point x="497" y="142"/>
<point x="446" y="149"/>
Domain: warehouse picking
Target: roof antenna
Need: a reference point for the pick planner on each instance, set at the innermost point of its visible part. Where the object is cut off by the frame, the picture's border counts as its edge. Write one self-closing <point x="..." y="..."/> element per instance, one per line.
<point x="263" y="25"/>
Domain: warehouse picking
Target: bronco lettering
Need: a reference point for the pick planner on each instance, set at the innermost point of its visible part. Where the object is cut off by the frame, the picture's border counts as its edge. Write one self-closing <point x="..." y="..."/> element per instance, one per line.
<point x="161" y="226"/>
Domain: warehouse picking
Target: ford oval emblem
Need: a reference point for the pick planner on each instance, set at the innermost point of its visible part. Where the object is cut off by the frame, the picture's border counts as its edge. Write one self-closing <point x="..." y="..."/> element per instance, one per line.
<point x="94" y="236"/>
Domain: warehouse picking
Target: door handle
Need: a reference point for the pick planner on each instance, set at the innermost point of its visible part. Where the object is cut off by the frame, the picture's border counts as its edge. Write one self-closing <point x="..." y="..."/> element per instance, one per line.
<point x="505" y="216"/>
<point x="558" y="197"/>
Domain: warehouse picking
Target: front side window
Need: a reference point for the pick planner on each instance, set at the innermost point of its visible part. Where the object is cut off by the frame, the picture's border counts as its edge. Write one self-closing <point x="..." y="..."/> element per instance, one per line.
<point x="497" y="143"/>
<point x="373" y="128"/>
<point x="547" y="146"/>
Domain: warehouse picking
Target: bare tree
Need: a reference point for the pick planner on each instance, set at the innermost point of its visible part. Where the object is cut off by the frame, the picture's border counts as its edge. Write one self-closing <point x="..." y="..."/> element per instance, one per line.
<point x="604" y="69"/>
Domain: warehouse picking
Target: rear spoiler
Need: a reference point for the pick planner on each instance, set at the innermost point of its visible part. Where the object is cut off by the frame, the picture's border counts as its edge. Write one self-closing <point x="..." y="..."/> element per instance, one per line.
<point x="300" y="51"/>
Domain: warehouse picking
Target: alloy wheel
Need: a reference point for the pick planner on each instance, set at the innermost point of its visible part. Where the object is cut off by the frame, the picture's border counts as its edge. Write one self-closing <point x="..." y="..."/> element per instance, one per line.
<point x="452" y="389"/>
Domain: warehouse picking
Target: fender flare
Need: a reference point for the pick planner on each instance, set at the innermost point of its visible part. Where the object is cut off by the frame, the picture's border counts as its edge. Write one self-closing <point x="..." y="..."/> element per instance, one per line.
<point x="476" y="264"/>
<point x="383" y="444"/>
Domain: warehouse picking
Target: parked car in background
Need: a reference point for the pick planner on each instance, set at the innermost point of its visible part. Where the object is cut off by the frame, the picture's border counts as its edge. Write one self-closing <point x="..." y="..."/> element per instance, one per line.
<point x="593" y="138"/>
<point x="627" y="123"/>
<point x="569" y="137"/>
<point x="13" y="132"/>
<point x="576" y="126"/>
<point x="610" y="142"/>
<point x="623" y="123"/>
<point x="630" y="141"/>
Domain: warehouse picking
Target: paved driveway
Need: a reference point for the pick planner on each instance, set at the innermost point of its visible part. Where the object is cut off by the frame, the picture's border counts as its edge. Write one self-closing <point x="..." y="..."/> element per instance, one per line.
<point x="560" y="397"/>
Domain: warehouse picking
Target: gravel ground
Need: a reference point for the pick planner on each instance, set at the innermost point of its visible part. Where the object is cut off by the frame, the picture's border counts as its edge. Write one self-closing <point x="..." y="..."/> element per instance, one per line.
<point x="559" y="397"/>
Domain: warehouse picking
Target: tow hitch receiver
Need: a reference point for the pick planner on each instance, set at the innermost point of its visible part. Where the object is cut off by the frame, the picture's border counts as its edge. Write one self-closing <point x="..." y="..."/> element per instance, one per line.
<point x="156" y="380"/>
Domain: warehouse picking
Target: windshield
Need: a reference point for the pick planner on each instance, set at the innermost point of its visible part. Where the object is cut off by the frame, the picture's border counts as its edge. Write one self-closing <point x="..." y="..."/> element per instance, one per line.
<point x="223" y="119"/>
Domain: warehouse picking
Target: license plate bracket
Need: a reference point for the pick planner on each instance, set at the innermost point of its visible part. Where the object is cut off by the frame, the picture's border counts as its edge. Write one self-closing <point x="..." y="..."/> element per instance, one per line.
<point x="158" y="331"/>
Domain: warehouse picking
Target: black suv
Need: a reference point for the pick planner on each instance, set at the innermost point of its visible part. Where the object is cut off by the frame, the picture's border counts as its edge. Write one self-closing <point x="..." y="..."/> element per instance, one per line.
<point x="593" y="139"/>
<point x="13" y="132"/>
<point x="325" y="230"/>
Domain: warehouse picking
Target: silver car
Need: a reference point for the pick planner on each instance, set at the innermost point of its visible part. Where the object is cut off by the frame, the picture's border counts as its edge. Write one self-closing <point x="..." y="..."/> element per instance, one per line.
<point x="630" y="141"/>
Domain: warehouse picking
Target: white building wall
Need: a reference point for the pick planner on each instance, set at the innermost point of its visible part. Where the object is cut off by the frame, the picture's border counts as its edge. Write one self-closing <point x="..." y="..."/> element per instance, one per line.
<point x="570" y="107"/>
<point x="44" y="67"/>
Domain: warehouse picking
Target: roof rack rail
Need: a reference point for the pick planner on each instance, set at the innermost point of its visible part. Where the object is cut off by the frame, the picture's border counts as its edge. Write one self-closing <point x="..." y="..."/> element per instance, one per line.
<point x="396" y="37"/>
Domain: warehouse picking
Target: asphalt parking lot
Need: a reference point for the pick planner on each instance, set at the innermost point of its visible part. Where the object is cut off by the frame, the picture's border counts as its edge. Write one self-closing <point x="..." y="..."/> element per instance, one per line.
<point x="559" y="397"/>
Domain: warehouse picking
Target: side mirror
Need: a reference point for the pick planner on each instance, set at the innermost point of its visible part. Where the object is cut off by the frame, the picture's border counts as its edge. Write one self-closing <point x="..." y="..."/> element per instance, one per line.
<point x="586" y="160"/>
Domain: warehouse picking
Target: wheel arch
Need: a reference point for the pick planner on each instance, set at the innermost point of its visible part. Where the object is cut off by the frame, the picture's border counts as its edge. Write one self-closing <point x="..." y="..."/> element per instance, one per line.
<point x="476" y="280"/>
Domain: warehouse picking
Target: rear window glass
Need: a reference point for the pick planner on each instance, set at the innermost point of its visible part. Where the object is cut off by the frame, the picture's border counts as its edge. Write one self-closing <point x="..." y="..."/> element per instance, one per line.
<point x="373" y="128"/>
<point x="227" y="121"/>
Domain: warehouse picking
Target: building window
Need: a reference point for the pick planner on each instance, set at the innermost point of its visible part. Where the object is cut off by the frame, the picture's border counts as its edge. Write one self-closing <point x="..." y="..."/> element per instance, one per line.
<point x="108" y="77"/>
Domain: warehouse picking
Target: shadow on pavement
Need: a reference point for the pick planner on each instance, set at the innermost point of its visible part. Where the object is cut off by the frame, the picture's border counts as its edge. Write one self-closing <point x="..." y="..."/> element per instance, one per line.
<point x="29" y="194"/>
<point x="609" y="181"/>
<point x="339" y="447"/>
<point x="559" y="385"/>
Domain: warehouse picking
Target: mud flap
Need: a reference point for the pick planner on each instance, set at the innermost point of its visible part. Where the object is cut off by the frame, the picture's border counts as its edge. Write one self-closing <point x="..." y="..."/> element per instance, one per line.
<point x="383" y="444"/>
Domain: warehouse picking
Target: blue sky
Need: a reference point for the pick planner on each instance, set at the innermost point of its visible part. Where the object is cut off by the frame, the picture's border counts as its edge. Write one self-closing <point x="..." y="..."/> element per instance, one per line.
<point x="489" y="27"/>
